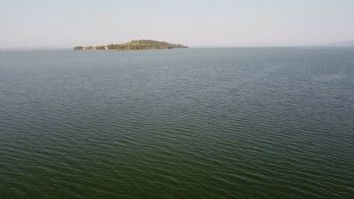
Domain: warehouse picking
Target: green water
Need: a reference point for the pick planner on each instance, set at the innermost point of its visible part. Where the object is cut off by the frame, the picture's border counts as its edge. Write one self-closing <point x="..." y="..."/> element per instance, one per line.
<point x="186" y="123"/>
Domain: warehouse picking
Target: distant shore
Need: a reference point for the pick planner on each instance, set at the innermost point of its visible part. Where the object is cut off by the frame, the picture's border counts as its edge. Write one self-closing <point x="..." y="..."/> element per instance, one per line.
<point x="133" y="45"/>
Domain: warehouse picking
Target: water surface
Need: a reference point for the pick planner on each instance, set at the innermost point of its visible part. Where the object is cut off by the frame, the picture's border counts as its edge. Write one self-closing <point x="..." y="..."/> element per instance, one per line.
<point x="185" y="123"/>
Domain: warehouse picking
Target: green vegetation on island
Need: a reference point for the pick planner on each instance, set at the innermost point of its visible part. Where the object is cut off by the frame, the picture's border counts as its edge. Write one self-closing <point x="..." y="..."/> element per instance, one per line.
<point x="133" y="45"/>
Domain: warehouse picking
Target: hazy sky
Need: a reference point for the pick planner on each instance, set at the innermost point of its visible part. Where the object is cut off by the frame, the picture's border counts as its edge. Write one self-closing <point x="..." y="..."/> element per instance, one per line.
<point x="65" y="23"/>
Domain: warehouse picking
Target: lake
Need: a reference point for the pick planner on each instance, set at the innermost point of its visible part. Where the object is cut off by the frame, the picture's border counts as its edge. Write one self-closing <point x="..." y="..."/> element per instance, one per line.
<point x="184" y="123"/>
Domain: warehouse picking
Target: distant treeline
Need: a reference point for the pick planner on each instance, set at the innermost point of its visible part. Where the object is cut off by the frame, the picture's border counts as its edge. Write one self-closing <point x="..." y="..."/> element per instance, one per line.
<point x="134" y="45"/>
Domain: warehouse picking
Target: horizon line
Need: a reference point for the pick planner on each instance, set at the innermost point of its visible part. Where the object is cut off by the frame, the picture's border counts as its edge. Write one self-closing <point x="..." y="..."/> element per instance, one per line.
<point x="190" y="47"/>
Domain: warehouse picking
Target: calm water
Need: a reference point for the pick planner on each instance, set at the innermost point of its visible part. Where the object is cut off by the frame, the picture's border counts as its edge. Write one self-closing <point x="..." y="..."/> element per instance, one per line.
<point x="189" y="123"/>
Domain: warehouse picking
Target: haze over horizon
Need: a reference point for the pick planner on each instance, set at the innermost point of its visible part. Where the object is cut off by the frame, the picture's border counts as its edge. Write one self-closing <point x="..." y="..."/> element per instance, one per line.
<point x="63" y="24"/>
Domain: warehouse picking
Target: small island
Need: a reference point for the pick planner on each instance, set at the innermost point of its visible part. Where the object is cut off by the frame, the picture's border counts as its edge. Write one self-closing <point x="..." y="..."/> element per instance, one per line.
<point x="134" y="45"/>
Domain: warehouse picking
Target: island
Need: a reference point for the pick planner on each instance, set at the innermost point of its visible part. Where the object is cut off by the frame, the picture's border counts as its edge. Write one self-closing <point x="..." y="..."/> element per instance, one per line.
<point x="134" y="45"/>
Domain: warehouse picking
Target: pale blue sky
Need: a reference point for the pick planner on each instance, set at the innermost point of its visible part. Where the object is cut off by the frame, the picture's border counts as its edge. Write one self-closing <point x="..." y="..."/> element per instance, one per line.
<point x="65" y="23"/>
